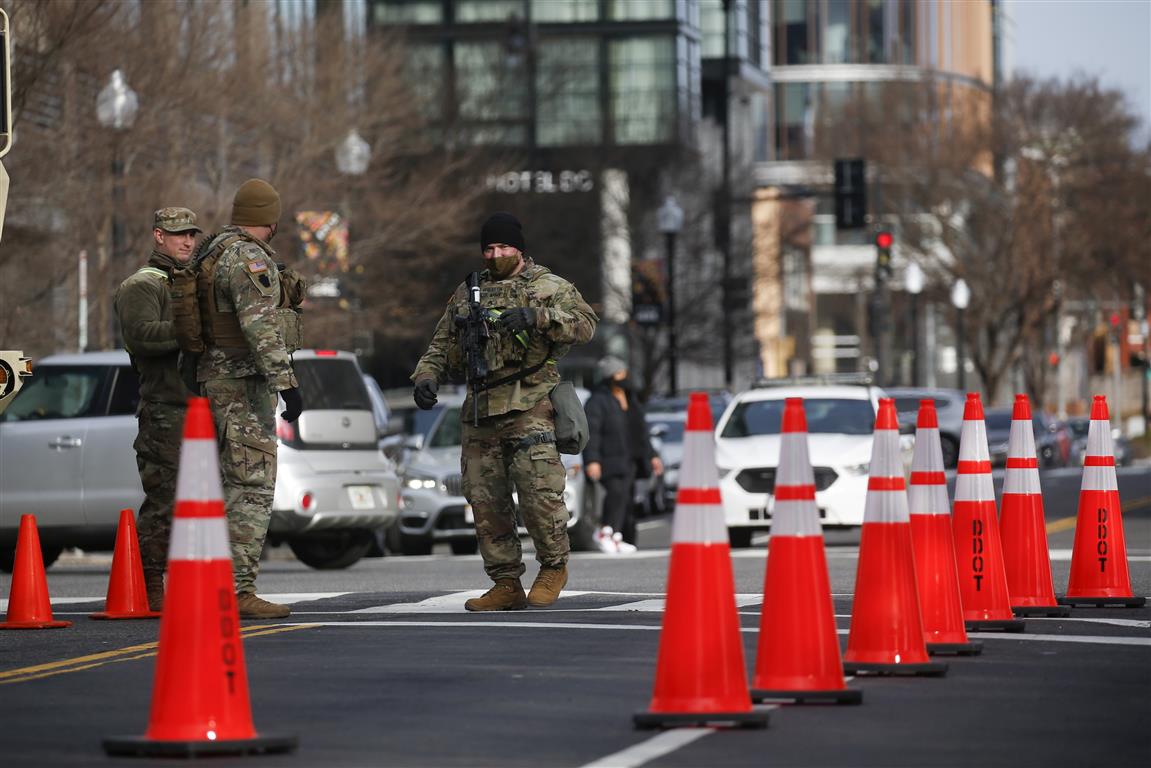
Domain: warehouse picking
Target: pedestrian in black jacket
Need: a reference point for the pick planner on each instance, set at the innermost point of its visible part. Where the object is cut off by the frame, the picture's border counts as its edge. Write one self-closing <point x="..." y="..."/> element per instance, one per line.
<point x="618" y="451"/>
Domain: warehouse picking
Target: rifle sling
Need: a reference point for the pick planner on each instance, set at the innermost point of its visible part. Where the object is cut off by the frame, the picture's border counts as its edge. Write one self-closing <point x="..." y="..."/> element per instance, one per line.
<point x="513" y="377"/>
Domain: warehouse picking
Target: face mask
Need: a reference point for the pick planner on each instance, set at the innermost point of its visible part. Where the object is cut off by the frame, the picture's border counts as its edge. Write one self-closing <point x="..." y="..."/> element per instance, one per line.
<point x="272" y="233"/>
<point x="502" y="266"/>
<point x="624" y="383"/>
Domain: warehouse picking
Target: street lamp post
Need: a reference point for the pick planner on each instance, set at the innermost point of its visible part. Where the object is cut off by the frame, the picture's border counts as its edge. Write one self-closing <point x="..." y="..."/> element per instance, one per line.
<point x="116" y="108"/>
<point x="913" y="282"/>
<point x="960" y="296"/>
<point x="669" y="218"/>
<point x="353" y="155"/>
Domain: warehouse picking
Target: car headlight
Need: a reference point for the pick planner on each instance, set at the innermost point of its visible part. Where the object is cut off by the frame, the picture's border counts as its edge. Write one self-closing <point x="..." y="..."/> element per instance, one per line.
<point x="418" y="482"/>
<point x="857" y="469"/>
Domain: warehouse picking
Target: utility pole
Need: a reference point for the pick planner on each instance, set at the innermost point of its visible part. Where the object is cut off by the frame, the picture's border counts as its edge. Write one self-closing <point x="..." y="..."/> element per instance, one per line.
<point x="723" y="208"/>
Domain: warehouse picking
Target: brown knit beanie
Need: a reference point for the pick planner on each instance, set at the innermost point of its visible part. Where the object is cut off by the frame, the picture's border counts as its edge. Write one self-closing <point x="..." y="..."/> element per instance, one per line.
<point x="257" y="204"/>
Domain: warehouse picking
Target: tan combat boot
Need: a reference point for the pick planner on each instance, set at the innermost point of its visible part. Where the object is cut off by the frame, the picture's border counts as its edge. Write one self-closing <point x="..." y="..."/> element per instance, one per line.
<point x="253" y="607"/>
<point x="154" y="588"/>
<point x="547" y="586"/>
<point x="506" y="595"/>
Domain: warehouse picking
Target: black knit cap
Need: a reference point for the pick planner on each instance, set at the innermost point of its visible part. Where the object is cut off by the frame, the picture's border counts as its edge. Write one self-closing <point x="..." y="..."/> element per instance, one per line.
<point x="502" y="227"/>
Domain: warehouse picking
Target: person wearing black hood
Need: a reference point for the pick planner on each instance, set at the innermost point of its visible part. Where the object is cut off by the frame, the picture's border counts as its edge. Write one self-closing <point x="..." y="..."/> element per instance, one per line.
<point x="618" y="451"/>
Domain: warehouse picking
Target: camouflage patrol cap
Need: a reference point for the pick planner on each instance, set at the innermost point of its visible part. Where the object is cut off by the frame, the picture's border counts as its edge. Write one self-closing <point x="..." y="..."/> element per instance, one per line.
<point x="175" y="220"/>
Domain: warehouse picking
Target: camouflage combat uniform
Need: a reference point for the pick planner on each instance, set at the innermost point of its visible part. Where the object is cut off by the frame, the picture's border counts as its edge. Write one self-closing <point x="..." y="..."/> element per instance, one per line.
<point x="144" y="308"/>
<point x="241" y="386"/>
<point x="508" y="448"/>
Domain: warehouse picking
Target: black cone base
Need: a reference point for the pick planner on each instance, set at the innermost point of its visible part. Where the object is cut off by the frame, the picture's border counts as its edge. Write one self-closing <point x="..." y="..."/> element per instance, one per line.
<point x="646" y="721"/>
<point x="138" y="746"/>
<point x="926" y="669"/>
<point x="972" y="648"/>
<point x="994" y="625"/>
<point x="840" y="696"/>
<point x="1053" y="611"/>
<point x="1103" y="602"/>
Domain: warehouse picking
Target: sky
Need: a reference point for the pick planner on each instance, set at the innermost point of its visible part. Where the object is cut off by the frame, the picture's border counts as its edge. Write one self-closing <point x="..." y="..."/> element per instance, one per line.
<point x="1110" y="39"/>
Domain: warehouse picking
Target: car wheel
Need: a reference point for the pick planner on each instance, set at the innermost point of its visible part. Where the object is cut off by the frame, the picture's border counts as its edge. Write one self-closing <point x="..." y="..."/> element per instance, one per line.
<point x="329" y="550"/>
<point x="49" y="552"/>
<point x="415" y="545"/>
<point x="950" y="452"/>
<point x="740" y="538"/>
<point x="468" y="546"/>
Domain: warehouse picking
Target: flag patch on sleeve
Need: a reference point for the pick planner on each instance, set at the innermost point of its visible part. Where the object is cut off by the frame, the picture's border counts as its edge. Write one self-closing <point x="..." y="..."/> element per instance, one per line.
<point x="256" y="266"/>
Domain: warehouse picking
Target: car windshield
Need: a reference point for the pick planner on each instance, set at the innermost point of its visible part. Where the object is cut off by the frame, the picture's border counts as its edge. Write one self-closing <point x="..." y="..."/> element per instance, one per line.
<point x="999" y="421"/>
<point x="329" y="384"/>
<point x="1080" y="427"/>
<point x="56" y="393"/>
<point x="824" y="416"/>
<point x="447" y="431"/>
<point x="672" y="429"/>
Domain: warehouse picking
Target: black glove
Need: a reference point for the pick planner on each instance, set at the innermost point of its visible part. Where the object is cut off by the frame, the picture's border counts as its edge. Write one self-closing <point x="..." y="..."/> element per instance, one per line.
<point x="293" y="404"/>
<point x="425" y="393"/>
<point x="518" y="319"/>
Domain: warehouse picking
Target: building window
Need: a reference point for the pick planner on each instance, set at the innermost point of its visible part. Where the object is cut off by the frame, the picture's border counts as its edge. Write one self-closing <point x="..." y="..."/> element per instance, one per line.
<point x="761" y="127"/>
<point x="795" y="288"/>
<point x="472" y="11"/>
<point x="424" y="73"/>
<point x="567" y="84"/>
<point x="564" y="11"/>
<point x="408" y="12"/>
<point x="488" y="90"/>
<point x="643" y="98"/>
<point x="837" y="37"/>
<point x="640" y="10"/>
<point x="796" y="121"/>
<point x="711" y="28"/>
<point x="792" y="45"/>
<point x="688" y="80"/>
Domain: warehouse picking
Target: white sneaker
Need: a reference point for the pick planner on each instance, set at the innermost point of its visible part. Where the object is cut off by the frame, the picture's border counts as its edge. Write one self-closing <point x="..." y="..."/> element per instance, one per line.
<point x="605" y="539"/>
<point x="622" y="546"/>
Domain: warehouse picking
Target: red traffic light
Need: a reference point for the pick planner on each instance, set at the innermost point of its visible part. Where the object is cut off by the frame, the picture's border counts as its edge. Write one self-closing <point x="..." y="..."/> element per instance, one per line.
<point x="1115" y="319"/>
<point x="884" y="239"/>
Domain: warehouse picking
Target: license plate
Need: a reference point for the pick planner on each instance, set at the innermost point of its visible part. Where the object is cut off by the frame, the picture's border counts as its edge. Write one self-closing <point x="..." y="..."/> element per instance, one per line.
<point x="469" y="515"/>
<point x="362" y="496"/>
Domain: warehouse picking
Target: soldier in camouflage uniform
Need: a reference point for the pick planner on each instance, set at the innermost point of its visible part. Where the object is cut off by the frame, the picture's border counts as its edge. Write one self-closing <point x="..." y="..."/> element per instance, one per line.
<point x="144" y="309"/>
<point x="245" y="364"/>
<point x="536" y="317"/>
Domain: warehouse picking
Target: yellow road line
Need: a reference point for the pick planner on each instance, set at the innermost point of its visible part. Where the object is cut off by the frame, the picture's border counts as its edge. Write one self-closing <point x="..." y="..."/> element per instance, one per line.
<point x="1068" y="523"/>
<point x="130" y="653"/>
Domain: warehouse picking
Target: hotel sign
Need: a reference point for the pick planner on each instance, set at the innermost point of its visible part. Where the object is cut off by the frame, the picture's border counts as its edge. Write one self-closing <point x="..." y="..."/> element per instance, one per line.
<point x="541" y="182"/>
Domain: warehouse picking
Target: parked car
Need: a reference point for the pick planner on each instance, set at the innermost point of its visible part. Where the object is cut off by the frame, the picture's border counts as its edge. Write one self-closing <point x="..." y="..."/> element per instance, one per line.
<point x="949" y="404"/>
<point x="1079" y="427"/>
<point x="667" y="430"/>
<point x="66" y="442"/>
<point x="1052" y="438"/>
<point x="433" y="505"/>
<point x="840" y="424"/>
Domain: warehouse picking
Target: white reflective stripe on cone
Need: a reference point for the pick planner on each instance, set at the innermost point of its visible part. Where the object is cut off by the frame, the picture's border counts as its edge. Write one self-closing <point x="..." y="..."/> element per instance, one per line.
<point x="973" y="442"/>
<point x="886" y="460"/>
<point x="1099" y="479"/>
<point x="794" y="461"/>
<point x="199" y="538"/>
<point x="1022" y="480"/>
<point x="795" y="518"/>
<point x="698" y="524"/>
<point x="928" y="453"/>
<point x="928" y="499"/>
<point x="1099" y="439"/>
<point x="1021" y="444"/>
<point x="697" y="467"/>
<point x="974" y="487"/>
<point x="886" y="507"/>
<point x="199" y="475"/>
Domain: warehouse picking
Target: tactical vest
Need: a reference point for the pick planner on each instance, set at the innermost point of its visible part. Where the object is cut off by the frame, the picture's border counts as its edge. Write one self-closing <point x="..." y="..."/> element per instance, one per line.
<point x="200" y="323"/>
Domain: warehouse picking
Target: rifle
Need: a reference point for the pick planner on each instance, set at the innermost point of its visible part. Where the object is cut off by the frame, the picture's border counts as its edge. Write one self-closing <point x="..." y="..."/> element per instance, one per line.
<point x="474" y="337"/>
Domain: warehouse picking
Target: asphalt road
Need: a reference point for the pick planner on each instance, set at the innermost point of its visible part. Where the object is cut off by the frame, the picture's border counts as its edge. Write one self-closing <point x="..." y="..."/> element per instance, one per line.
<point x="379" y="665"/>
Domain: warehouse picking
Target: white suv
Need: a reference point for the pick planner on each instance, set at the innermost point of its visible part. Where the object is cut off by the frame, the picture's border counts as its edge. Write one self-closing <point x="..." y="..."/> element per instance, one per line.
<point x="840" y="422"/>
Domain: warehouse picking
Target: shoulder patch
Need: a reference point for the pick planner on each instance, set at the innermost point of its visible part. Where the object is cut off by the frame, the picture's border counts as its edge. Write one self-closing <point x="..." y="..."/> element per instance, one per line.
<point x="256" y="266"/>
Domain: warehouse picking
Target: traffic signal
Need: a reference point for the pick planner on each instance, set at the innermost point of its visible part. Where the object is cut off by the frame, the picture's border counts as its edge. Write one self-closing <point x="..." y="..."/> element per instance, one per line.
<point x="5" y="86"/>
<point x="883" y="242"/>
<point x="850" y="194"/>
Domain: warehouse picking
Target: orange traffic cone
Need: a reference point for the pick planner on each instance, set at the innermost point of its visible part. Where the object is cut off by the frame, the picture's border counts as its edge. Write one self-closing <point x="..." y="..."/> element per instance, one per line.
<point x="127" y="598"/>
<point x="798" y="658"/>
<point x="200" y="695"/>
<point x="935" y="572"/>
<point x="978" y="551"/>
<point x="1099" y="575"/>
<point x="28" y="603"/>
<point x="700" y="676"/>
<point x="886" y="634"/>
<point x="1022" y="526"/>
